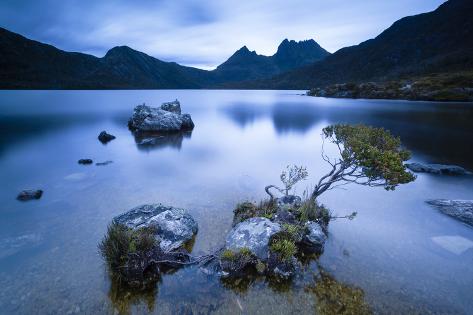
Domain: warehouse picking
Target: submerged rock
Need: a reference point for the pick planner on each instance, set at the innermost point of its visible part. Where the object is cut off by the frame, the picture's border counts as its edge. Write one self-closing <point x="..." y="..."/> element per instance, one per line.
<point x="459" y="209"/>
<point x="282" y="268"/>
<point x="437" y="169"/>
<point x="253" y="234"/>
<point x="175" y="226"/>
<point x="315" y="238"/>
<point x="29" y="194"/>
<point x="103" y="163"/>
<point x="167" y="118"/>
<point x="105" y="137"/>
<point x="85" y="161"/>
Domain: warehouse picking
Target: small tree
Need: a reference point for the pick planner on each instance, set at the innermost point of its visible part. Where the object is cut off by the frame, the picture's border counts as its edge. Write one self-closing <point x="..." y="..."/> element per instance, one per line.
<point x="289" y="177"/>
<point x="367" y="156"/>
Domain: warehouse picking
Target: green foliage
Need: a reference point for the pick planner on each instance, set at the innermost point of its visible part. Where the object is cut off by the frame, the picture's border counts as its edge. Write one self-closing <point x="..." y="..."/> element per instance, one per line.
<point x="292" y="175"/>
<point x="228" y="255"/>
<point x="310" y="210"/>
<point x="283" y="243"/>
<point x="285" y="248"/>
<point x="243" y="253"/>
<point x="121" y="241"/>
<point x="247" y="210"/>
<point x="370" y="156"/>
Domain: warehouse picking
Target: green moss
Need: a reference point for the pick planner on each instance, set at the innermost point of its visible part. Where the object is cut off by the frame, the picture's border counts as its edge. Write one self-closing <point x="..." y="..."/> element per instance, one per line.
<point x="292" y="229"/>
<point x="260" y="267"/>
<point x="228" y="255"/>
<point x="334" y="297"/>
<point x="285" y="248"/>
<point x="245" y="251"/>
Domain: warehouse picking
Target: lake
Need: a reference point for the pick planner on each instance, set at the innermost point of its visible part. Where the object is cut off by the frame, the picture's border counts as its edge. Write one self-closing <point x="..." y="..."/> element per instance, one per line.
<point x="398" y="255"/>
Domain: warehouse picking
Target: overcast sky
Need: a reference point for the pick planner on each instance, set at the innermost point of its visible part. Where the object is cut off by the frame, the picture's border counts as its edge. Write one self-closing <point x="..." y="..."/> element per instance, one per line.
<point x="202" y="33"/>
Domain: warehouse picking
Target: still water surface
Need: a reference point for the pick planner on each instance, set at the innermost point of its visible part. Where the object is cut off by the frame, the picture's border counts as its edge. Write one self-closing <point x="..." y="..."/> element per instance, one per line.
<point x="395" y="257"/>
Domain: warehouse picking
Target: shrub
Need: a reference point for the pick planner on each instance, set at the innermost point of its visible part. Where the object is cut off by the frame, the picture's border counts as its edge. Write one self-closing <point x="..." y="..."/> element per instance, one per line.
<point x="121" y="241"/>
<point x="285" y="248"/>
<point x="283" y="244"/>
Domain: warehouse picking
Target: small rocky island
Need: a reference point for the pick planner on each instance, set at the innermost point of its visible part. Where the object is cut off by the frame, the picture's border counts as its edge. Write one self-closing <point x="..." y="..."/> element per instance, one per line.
<point x="267" y="238"/>
<point x="167" y="118"/>
<point x="442" y="87"/>
<point x="439" y="169"/>
<point x="146" y="238"/>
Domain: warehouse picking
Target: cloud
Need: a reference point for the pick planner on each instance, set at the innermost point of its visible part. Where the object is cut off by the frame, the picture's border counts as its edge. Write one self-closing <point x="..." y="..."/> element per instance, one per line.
<point x="202" y="33"/>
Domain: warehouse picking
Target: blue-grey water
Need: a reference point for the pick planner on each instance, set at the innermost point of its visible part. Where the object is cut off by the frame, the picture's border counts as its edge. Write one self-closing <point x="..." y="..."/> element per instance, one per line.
<point x="399" y="255"/>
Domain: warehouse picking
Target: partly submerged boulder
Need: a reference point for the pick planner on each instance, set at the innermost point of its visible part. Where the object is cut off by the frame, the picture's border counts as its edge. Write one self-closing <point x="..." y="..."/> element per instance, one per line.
<point x="315" y="238"/>
<point x="437" y="169"/>
<point x="459" y="209"/>
<point x="253" y="234"/>
<point x="167" y="118"/>
<point x="105" y="137"/>
<point x="85" y="161"/>
<point x="29" y="194"/>
<point x="174" y="226"/>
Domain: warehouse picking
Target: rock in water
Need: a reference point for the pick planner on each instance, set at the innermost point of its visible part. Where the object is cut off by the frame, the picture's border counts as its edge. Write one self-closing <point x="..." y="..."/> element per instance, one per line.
<point x="105" y="137"/>
<point x="85" y="161"/>
<point x="173" y="107"/>
<point x="253" y="234"/>
<point x="437" y="169"/>
<point x="167" y="118"/>
<point x="175" y="226"/>
<point x="103" y="163"/>
<point x="459" y="209"/>
<point x="315" y="238"/>
<point x="29" y="194"/>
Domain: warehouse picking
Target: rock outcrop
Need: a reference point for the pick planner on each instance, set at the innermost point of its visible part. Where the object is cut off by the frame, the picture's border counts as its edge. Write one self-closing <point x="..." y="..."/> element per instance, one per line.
<point x="85" y="161"/>
<point x="253" y="234"/>
<point x="437" y="169"/>
<point x="167" y="118"/>
<point x="175" y="226"/>
<point x="315" y="238"/>
<point x="461" y="210"/>
<point x="29" y="194"/>
<point x="105" y="137"/>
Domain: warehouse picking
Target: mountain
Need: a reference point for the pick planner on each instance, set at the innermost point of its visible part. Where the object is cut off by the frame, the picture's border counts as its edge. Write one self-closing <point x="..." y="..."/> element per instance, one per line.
<point x="248" y="65"/>
<point x="292" y="54"/>
<point x="434" y="42"/>
<point x="28" y="64"/>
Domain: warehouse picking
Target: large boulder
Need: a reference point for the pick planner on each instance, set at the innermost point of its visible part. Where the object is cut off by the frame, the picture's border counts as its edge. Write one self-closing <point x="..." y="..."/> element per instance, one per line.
<point x="175" y="226"/>
<point x="253" y="234"/>
<point x="315" y="237"/>
<point x="459" y="209"/>
<point x="437" y="169"/>
<point x="167" y="118"/>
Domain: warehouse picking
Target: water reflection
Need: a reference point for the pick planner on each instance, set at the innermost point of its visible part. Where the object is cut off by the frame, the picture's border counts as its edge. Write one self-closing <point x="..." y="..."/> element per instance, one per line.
<point x="433" y="129"/>
<point x="21" y="128"/>
<point x="150" y="141"/>
<point x="124" y="298"/>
